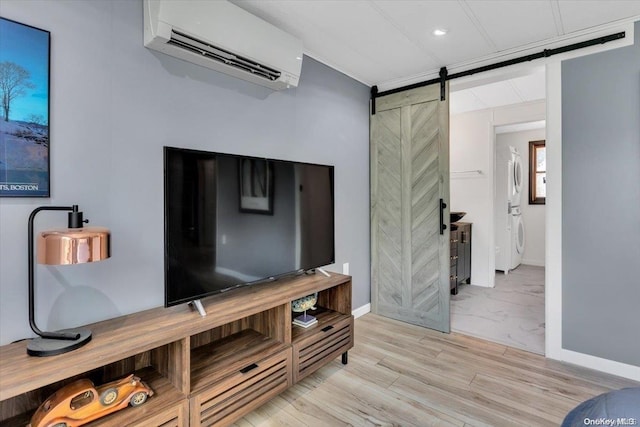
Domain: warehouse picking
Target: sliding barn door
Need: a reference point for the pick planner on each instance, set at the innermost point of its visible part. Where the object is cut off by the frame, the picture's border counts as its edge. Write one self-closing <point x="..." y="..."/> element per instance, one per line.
<point x="409" y="177"/>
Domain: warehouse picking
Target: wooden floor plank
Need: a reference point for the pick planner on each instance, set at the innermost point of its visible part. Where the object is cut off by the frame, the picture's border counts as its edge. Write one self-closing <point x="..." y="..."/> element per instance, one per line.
<point x="378" y="406"/>
<point x="469" y="411"/>
<point x="427" y="369"/>
<point x="608" y="381"/>
<point x="405" y="375"/>
<point x="377" y="349"/>
<point x="269" y="415"/>
<point x="534" y="401"/>
<point x="530" y="376"/>
<point x="378" y="325"/>
<point x="376" y="374"/>
<point x="456" y="341"/>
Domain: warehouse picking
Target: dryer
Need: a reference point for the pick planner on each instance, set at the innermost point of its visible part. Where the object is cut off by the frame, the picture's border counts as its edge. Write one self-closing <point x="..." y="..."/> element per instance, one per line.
<point x="516" y="171"/>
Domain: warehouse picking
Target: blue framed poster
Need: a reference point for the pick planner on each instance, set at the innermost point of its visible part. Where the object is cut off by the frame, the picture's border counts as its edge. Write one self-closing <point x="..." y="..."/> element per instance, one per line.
<point x="24" y="110"/>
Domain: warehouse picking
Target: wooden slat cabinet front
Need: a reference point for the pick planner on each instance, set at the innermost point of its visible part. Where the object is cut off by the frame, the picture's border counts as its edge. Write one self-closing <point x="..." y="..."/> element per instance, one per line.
<point x="242" y="391"/>
<point x="464" y="252"/>
<point x="460" y="249"/>
<point x="174" y="417"/>
<point x="329" y="339"/>
<point x="453" y="251"/>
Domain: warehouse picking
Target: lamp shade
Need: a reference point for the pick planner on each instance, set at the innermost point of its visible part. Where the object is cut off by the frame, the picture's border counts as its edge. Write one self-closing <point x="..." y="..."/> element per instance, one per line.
<point x="73" y="245"/>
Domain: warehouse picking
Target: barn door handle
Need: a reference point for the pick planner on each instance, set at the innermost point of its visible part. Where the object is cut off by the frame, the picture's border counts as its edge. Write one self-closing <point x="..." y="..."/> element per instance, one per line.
<point x="443" y="226"/>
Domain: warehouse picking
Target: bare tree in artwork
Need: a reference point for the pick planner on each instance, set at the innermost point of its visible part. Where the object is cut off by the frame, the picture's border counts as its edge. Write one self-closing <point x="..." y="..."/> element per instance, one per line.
<point x="14" y="80"/>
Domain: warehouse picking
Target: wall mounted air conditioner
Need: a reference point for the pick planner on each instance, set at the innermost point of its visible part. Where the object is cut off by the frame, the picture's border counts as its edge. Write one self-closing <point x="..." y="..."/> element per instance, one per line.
<point x="221" y="36"/>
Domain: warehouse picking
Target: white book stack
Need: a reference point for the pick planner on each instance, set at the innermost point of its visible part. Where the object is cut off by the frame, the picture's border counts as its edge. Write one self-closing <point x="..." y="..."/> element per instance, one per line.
<point x="305" y="320"/>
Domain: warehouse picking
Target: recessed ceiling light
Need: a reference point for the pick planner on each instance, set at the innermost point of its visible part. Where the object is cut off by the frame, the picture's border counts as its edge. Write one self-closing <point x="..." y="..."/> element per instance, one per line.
<point x="439" y="32"/>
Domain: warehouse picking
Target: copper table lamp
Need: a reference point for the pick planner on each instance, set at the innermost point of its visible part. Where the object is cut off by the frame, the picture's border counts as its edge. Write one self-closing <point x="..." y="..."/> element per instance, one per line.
<point x="73" y="245"/>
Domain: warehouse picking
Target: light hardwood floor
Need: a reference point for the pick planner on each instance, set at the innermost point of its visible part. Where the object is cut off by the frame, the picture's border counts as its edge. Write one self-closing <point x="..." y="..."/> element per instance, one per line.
<point x="405" y="375"/>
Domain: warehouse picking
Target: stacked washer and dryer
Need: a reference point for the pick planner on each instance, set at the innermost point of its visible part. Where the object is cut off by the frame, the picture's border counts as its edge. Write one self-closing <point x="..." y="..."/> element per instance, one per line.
<point x="508" y="216"/>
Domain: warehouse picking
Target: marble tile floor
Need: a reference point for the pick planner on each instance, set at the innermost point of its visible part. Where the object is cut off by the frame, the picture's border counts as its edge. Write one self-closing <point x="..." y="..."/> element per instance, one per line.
<point x="511" y="313"/>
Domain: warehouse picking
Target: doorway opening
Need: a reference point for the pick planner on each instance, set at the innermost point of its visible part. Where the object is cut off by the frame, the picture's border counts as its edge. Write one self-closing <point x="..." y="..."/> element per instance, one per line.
<point x="492" y="122"/>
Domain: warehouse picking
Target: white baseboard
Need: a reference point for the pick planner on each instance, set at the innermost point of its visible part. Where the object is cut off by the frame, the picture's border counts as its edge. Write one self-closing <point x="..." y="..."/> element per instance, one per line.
<point x="534" y="262"/>
<point x="599" y="364"/>
<point x="361" y="311"/>
<point x="483" y="285"/>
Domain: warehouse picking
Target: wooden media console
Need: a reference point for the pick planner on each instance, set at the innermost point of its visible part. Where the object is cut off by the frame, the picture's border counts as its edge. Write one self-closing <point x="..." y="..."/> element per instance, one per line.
<point x="207" y="371"/>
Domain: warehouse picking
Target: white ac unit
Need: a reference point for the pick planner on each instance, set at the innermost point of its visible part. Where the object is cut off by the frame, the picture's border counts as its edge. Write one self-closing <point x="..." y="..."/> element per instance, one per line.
<point x="219" y="35"/>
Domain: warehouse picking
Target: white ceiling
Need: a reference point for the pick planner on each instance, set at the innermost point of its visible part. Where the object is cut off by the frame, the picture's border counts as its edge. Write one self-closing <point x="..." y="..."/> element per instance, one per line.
<point x="530" y="87"/>
<point x="390" y="43"/>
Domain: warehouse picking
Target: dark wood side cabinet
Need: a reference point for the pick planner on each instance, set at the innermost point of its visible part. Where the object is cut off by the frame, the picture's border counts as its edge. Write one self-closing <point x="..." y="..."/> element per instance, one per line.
<point x="205" y="371"/>
<point x="460" y="255"/>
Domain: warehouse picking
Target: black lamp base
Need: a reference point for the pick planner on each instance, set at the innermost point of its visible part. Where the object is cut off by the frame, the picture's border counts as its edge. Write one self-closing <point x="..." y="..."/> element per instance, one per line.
<point x="50" y="347"/>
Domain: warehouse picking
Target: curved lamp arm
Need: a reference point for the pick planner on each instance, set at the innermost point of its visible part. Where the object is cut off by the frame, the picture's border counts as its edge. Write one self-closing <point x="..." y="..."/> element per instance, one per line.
<point x="32" y="321"/>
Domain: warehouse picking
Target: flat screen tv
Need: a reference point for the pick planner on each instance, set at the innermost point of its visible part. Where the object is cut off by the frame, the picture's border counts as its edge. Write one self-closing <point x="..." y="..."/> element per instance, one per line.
<point x="234" y="220"/>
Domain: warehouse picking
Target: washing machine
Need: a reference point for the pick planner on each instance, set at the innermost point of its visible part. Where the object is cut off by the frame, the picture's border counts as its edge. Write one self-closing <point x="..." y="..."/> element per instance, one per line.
<point x="517" y="237"/>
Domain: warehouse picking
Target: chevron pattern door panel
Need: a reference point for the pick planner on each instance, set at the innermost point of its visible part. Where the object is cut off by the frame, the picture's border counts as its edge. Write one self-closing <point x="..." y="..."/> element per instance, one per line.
<point x="409" y="176"/>
<point x="386" y="206"/>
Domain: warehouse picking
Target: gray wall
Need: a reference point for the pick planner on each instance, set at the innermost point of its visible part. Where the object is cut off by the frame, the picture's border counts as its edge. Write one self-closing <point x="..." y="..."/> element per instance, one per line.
<point x="114" y="105"/>
<point x="601" y="204"/>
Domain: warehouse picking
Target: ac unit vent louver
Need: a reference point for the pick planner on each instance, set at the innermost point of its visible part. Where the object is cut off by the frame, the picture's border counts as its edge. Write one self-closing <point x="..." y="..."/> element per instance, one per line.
<point x="219" y="35"/>
<point x="228" y="58"/>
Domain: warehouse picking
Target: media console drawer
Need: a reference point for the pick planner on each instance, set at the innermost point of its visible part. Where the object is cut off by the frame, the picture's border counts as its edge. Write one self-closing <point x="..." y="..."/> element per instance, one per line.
<point x="172" y="417"/>
<point x="326" y="343"/>
<point x="241" y="391"/>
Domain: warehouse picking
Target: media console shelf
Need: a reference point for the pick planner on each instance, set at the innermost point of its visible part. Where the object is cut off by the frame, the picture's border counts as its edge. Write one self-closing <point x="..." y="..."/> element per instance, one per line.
<point x="207" y="371"/>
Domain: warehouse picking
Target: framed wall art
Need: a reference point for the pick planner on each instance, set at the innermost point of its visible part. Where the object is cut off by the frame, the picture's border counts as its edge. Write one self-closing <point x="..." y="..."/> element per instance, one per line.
<point x="24" y="110"/>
